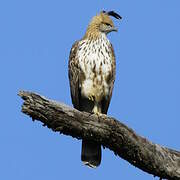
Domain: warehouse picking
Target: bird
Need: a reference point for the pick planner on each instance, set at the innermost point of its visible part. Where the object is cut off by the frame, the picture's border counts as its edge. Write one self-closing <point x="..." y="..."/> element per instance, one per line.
<point x="91" y="71"/>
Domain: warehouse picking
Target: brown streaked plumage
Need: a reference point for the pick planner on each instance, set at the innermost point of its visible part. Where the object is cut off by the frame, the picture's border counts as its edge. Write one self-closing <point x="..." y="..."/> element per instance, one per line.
<point x="91" y="76"/>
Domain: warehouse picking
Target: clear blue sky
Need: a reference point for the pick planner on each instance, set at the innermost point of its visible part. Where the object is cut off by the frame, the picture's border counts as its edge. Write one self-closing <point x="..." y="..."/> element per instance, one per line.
<point x="35" y="40"/>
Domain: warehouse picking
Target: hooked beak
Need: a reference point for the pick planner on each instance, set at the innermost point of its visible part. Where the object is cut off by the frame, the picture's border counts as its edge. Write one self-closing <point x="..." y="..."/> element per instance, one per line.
<point x="113" y="29"/>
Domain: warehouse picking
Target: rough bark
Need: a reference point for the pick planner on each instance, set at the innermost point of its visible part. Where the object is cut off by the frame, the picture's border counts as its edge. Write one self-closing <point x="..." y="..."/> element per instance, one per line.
<point x="122" y="140"/>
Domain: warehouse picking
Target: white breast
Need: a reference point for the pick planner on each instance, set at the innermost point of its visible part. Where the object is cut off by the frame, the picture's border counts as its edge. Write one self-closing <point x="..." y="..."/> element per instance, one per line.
<point x="96" y="62"/>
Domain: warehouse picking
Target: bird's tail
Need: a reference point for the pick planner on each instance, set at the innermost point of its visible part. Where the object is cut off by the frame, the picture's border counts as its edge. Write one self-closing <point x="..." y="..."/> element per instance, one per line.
<point x="91" y="153"/>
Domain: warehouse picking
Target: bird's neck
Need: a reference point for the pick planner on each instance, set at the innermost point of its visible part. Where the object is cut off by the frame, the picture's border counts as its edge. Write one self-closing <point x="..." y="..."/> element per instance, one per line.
<point x="93" y="32"/>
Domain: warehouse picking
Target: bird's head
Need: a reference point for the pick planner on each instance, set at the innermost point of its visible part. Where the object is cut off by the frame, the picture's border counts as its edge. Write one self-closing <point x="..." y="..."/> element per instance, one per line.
<point x="102" y="23"/>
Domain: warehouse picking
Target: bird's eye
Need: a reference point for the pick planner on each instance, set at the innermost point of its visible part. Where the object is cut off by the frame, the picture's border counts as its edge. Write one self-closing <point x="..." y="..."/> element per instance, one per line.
<point x="107" y="24"/>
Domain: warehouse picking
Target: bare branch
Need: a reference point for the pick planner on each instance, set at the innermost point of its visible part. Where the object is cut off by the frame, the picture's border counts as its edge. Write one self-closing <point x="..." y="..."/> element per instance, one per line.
<point x="149" y="157"/>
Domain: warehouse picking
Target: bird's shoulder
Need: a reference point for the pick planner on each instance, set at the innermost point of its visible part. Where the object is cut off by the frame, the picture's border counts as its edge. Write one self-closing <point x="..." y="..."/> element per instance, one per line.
<point x="73" y="51"/>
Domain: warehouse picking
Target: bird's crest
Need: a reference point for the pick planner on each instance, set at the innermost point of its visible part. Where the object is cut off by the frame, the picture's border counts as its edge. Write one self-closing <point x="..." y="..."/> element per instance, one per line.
<point x="112" y="13"/>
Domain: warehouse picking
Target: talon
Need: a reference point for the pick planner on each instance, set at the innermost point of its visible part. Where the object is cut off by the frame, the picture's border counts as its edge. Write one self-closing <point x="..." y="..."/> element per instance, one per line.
<point x="98" y="114"/>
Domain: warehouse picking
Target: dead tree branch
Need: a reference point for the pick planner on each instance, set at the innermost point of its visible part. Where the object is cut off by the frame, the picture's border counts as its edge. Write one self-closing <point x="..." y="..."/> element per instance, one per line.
<point x="149" y="157"/>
